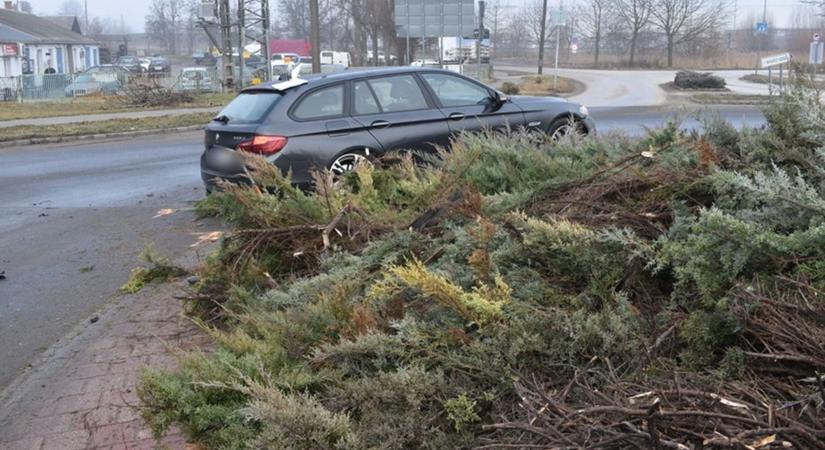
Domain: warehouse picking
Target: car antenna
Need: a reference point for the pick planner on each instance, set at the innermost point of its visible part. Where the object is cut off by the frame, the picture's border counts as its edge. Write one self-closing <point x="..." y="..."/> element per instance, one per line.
<point x="222" y="118"/>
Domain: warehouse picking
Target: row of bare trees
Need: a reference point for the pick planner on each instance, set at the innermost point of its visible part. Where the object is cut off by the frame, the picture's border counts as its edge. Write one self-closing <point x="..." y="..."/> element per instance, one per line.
<point x="676" y="23"/>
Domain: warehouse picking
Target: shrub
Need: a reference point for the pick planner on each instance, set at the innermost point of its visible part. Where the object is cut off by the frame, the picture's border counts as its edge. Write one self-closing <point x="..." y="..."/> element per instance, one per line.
<point x="509" y="88"/>
<point x="686" y="79"/>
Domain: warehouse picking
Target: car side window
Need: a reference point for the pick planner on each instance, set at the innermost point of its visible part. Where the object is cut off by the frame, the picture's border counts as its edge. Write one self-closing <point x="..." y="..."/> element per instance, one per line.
<point x="365" y="102"/>
<point x="398" y="93"/>
<point x="325" y="102"/>
<point x="455" y="91"/>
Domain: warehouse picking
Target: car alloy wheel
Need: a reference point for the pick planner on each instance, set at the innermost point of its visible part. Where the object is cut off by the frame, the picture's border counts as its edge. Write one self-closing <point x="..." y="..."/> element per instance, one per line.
<point x="347" y="163"/>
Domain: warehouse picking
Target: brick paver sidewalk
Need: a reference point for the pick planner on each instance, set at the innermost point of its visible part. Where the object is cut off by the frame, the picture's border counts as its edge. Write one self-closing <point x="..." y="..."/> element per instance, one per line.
<point x="83" y="395"/>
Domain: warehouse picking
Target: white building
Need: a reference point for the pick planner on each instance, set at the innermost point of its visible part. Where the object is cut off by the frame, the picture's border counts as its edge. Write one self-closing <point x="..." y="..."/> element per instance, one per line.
<point x="35" y="45"/>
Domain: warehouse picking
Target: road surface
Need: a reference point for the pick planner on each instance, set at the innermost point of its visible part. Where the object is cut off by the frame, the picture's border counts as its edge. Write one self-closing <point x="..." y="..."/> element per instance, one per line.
<point x="625" y="88"/>
<point x="74" y="217"/>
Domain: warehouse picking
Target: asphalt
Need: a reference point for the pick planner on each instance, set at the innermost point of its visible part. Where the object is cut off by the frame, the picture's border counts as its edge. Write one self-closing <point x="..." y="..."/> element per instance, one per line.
<point x="628" y="88"/>
<point x="73" y="220"/>
<point x="74" y="217"/>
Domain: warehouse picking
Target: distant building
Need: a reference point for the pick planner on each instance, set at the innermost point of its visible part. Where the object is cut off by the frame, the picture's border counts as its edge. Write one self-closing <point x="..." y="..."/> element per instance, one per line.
<point x="36" y="45"/>
<point x="68" y="22"/>
<point x="301" y="48"/>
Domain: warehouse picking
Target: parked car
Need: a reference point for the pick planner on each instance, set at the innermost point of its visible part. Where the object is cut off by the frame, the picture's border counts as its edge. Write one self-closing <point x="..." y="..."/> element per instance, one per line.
<point x="110" y="74"/>
<point x="130" y="63"/>
<point x="195" y="79"/>
<point x="334" y="121"/>
<point x="159" y="65"/>
<point x="205" y="59"/>
<point x="425" y="63"/>
<point x="144" y="64"/>
<point x="83" y="84"/>
<point x="285" y="59"/>
<point x="337" y="58"/>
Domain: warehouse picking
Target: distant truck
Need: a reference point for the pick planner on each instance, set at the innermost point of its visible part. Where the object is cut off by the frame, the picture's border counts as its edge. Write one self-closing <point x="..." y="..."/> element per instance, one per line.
<point x="337" y="58"/>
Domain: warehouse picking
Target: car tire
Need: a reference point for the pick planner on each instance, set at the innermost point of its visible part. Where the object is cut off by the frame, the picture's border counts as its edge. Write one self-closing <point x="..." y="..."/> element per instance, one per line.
<point x="563" y="126"/>
<point x="347" y="161"/>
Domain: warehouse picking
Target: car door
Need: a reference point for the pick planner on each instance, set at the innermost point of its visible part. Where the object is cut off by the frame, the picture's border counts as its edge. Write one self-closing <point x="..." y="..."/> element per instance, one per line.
<point x="321" y="130"/>
<point x="398" y="113"/>
<point x="469" y="105"/>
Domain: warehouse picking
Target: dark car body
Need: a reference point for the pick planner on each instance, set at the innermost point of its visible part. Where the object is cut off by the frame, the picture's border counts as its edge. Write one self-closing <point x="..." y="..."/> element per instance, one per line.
<point x="130" y="63"/>
<point x="316" y="124"/>
<point x="204" y="59"/>
<point x="159" y="65"/>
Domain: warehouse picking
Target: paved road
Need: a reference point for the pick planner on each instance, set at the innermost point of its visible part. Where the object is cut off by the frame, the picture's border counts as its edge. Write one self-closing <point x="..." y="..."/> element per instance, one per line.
<point x="106" y="116"/>
<point x="74" y="217"/>
<point x="624" y="88"/>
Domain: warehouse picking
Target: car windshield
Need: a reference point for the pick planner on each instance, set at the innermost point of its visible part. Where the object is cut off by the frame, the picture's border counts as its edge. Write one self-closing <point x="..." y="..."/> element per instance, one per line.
<point x="250" y="107"/>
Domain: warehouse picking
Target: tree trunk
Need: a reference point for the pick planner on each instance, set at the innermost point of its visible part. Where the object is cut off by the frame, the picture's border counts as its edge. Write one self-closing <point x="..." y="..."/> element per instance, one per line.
<point x="597" y="43"/>
<point x="670" y="51"/>
<point x="633" y="47"/>
<point x="375" y="48"/>
<point x="542" y="36"/>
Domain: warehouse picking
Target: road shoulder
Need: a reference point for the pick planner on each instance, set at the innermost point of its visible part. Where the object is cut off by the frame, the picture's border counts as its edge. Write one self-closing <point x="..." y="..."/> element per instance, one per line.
<point x="82" y="394"/>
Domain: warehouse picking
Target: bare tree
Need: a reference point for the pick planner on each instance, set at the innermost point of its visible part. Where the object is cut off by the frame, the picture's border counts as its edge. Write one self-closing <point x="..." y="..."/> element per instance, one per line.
<point x="163" y="21"/>
<point x="635" y="14"/>
<point x="682" y="21"/>
<point x="592" y="16"/>
<point x="70" y="8"/>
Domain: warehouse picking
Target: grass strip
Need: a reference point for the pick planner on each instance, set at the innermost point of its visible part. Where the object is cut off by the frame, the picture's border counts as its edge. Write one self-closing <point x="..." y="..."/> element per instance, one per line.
<point x="103" y="127"/>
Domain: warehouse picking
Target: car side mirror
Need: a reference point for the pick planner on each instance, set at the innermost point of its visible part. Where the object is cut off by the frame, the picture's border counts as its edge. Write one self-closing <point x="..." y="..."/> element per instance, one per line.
<point x="500" y="98"/>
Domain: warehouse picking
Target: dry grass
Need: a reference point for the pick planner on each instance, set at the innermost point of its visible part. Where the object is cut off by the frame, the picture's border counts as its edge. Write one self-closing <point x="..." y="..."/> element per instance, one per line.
<point x="103" y="127"/>
<point x="544" y="85"/>
<point x="97" y="105"/>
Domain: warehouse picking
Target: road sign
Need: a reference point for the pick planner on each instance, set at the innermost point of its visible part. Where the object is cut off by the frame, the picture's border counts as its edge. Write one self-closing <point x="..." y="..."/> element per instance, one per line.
<point x="816" y="37"/>
<point x="776" y="60"/>
<point x="762" y="28"/>
<point x="558" y="17"/>
<point x="435" y="18"/>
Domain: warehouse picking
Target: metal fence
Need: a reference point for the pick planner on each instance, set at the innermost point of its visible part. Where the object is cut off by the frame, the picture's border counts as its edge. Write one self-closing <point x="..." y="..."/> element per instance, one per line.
<point x="59" y="86"/>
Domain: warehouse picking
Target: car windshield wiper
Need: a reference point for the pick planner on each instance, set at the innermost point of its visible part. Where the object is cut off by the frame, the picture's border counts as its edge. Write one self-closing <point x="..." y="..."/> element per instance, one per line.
<point x="222" y="118"/>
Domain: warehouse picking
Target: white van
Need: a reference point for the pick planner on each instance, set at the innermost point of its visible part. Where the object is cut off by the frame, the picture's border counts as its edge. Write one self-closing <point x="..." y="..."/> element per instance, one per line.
<point x="338" y="58"/>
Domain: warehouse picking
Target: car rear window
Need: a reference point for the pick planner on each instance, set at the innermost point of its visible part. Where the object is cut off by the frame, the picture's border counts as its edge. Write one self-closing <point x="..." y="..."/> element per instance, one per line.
<point x="250" y="107"/>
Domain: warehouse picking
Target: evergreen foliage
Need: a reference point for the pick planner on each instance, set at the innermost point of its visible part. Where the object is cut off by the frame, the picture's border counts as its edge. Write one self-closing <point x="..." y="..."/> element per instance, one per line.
<point x="432" y="302"/>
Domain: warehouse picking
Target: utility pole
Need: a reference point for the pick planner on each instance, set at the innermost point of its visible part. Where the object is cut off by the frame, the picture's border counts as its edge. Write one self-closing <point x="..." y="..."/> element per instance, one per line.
<point x="542" y="35"/>
<point x="253" y="20"/>
<point x="481" y="7"/>
<point x="86" y="14"/>
<point x="315" y="36"/>
<point x="558" y="42"/>
<point x="225" y="17"/>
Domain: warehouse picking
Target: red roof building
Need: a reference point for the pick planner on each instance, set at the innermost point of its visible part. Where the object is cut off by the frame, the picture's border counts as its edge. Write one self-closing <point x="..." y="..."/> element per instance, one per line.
<point x="302" y="48"/>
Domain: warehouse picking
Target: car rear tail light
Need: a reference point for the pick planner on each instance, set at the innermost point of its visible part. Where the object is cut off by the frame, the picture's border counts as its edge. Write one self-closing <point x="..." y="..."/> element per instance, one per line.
<point x="264" y="145"/>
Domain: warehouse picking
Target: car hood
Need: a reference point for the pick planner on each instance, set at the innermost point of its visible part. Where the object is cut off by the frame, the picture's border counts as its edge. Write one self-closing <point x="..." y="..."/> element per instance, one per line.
<point x="530" y="100"/>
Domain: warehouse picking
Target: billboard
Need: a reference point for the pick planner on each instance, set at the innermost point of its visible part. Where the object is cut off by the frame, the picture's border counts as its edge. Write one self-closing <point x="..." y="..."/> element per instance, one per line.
<point x="434" y="18"/>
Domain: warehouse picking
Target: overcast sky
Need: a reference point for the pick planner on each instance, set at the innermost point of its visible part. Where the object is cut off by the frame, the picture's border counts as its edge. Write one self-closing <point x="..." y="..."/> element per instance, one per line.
<point x="133" y="12"/>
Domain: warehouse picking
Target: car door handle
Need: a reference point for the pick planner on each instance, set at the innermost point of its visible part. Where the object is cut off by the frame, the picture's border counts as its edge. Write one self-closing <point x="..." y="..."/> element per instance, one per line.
<point x="380" y="124"/>
<point x="456" y="116"/>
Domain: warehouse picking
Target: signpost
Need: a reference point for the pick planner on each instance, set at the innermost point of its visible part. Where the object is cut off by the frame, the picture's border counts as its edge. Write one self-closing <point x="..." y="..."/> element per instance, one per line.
<point x="761" y="27"/>
<point x="434" y="19"/>
<point x="776" y="60"/>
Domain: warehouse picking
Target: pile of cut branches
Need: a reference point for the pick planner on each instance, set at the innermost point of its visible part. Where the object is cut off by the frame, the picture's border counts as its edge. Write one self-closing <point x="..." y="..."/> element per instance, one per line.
<point x="149" y="93"/>
<point x="663" y="292"/>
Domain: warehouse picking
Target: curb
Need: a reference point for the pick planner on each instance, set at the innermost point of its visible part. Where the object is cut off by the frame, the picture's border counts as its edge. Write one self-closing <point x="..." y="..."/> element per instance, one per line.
<point x="90" y="137"/>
